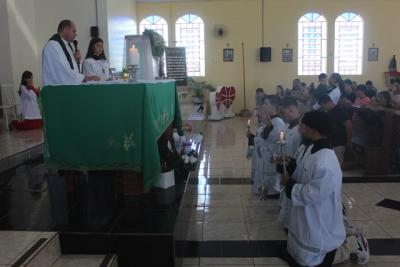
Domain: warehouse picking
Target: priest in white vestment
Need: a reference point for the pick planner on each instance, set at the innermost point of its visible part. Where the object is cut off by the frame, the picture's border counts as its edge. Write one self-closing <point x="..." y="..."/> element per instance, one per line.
<point x="59" y="59"/>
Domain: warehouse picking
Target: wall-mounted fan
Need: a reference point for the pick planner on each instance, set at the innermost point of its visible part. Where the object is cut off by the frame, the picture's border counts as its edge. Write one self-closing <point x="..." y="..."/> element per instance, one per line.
<point x="220" y="31"/>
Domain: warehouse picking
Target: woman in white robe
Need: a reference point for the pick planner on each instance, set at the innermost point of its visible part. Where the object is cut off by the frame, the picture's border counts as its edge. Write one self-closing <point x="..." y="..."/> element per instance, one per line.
<point x="96" y="62"/>
<point x="316" y="226"/>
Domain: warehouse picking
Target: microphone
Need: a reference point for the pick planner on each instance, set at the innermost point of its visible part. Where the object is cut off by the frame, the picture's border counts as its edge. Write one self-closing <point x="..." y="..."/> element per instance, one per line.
<point x="75" y="42"/>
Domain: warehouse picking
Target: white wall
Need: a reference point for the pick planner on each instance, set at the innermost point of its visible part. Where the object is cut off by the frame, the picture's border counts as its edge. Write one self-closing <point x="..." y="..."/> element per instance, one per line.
<point x="25" y="50"/>
<point x="32" y="23"/>
<point x="121" y="21"/>
<point x="5" y="54"/>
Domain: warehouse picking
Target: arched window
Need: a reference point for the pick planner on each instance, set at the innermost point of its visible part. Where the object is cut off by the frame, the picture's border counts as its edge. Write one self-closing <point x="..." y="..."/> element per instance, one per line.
<point x="312" y="35"/>
<point x="157" y="24"/>
<point x="349" y="34"/>
<point x="189" y="30"/>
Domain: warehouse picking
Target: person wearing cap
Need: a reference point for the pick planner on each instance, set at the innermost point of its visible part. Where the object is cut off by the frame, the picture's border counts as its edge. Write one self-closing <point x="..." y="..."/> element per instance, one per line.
<point x="316" y="227"/>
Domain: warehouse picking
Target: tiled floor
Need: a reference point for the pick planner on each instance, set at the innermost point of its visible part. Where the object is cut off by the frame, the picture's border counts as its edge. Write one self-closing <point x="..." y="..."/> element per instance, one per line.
<point x="230" y="212"/>
<point x="14" y="142"/>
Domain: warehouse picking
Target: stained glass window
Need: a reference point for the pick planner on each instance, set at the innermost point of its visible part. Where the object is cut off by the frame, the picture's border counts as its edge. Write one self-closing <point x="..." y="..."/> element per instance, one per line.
<point x="157" y="24"/>
<point x="312" y="36"/>
<point x="349" y="34"/>
<point x="189" y="30"/>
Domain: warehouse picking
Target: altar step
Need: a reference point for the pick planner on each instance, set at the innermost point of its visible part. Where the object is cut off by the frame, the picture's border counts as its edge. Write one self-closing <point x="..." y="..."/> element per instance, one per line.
<point x="42" y="249"/>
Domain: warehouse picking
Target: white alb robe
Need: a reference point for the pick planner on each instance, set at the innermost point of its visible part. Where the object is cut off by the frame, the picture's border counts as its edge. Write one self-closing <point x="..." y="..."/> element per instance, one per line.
<point x="257" y="161"/>
<point x="29" y="105"/>
<point x="292" y="147"/>
<point x="95" y="67"/>
<point x="316" y="220"/>
<point x="271" y="149"/>
<point x="56" y="69"/>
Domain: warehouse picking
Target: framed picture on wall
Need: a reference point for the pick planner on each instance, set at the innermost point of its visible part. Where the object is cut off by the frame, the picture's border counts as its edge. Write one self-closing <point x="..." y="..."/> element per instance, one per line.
<point x="373" y="54"/>
<point x="228" y="54"/>
<point x="287" y="55"/>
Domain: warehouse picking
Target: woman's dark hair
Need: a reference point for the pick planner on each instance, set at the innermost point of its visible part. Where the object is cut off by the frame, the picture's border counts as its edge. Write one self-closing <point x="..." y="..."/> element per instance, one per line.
<point x="386" y="95"/>
<point x="362" y="88"/>
<point x="25" y="76"/>
<point x="348" y="82"/>
<point x="90" y="53"/>
<point x="338" y="78"/>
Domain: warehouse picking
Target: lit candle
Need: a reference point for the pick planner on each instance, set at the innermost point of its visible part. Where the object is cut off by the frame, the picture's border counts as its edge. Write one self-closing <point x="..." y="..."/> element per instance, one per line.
<point x="282" y="137"/>
<point x="133" y="58"/>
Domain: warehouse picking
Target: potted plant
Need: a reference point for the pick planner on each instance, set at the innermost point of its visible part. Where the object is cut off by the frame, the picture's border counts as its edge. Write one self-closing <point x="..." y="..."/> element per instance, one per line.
<point x="157" y="49"/>
<point x="199" y="89"/>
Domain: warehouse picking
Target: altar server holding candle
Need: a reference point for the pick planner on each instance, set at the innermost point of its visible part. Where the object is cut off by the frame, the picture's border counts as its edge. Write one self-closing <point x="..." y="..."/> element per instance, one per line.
<point x="316" y="226"/>
<point x="272" y="147"/>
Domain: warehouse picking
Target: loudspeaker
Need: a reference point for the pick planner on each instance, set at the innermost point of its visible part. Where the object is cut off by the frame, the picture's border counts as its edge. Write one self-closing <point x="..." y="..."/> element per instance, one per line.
<point x="265" y="54"/>
<point x="94" y="31"/>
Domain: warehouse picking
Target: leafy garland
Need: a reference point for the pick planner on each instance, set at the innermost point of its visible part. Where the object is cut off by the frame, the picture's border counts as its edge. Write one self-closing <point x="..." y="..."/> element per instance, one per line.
<point x="157" y="43"/>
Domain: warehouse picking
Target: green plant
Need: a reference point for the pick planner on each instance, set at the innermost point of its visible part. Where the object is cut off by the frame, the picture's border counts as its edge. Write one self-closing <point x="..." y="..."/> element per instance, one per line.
<point x="157" y="49"/>
<point x="199" y="87"/>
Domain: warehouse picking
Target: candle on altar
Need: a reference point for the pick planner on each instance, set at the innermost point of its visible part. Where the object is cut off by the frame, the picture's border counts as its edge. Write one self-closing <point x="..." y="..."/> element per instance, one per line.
<point x="133" y="58"/>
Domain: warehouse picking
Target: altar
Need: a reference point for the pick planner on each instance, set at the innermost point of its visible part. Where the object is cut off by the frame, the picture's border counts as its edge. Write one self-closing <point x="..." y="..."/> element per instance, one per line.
<point x="108" y="126"/>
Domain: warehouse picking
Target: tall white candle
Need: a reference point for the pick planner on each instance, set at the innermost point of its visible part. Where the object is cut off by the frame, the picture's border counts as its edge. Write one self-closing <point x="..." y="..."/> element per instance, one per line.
<point x="133" y="58"/>
<point x="282" y="137"/>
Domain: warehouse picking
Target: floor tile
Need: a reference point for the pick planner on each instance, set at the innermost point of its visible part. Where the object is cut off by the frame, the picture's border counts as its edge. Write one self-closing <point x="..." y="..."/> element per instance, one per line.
<point x="225" y="231"/>
<point x="226" y="261"/>
<point x="195" y="231"/>
<point x="373" y="229"/>
<point x="260" y="214"/>
<point x="392" y="227"/>
<point x="266" y="231"/>
<point x="223" y="201"/>
<point x="16" y="243"/>
<point x="214" y="214"/>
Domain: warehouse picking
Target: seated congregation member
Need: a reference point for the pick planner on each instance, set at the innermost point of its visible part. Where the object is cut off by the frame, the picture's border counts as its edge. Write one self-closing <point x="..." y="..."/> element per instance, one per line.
<point x="362" y="100"/>
<point x="371" y="89"/>
<point x="260" y="95"/>
<point x="280" y="92"/>
<point x="30" y="110"/>
<point x="341" y="137"/>
<point x="96" y="62"/>
<point x="321" y="88"/>
<point x="316" y="226"/>
<point x="59" y="59"/>
<point x="348" y="96"/>
<point x="396" y="102"/>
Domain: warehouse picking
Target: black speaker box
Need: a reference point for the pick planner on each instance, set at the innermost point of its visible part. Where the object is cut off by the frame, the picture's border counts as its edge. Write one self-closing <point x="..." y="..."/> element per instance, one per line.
<point x="265" y="54"/>
<point x="94" y="31"/>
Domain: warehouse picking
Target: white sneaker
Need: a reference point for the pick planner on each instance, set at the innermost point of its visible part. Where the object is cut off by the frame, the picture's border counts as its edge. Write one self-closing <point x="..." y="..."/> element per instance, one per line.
<point x="363" y="248"/>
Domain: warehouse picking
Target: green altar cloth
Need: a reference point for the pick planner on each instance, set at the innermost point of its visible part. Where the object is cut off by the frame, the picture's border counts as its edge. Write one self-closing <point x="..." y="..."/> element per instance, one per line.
<point x="108" y="126"/>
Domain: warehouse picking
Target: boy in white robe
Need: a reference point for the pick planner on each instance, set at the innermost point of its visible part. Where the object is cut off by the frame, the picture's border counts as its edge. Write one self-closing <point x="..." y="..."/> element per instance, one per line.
<point x="272" y="148"/>
<point x="316" y="226"/>
<point x="291" y="115"/>
<point x="260" y="141"/>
